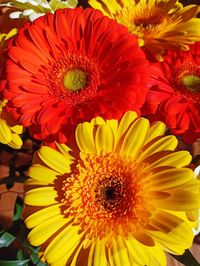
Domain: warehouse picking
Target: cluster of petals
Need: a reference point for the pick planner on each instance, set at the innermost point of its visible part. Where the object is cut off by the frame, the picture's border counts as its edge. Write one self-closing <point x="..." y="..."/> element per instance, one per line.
<point x="33" y="9"/>
<point x="160" y="24"/>
<point x="71" y="66"/>
<point x="174" y="95"/>
<point x="118" y="195"/>
<point x="9" y="130"/>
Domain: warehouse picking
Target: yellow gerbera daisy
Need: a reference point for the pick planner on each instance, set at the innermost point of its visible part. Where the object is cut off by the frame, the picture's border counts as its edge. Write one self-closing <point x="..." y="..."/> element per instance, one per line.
<point x="9" y="132"/>
<point x="33" y="9"/>
<point x="117" y="196"/>
<point x="159" y="24"/>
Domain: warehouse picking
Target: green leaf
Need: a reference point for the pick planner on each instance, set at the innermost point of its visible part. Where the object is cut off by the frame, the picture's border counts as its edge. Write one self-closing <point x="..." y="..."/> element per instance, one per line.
<point x="186" y="259"/>
<point x="20" y="255"/>
<point x="14" y="262"/>
<point x="18" y="211"/>
<point x="41" y="264"/>
<point x="6" y="239"/>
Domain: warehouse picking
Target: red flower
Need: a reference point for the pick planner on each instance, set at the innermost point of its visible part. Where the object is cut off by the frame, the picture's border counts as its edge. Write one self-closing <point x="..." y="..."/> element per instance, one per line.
<point x="174" y="95"/>
<point x="71" y="66"/>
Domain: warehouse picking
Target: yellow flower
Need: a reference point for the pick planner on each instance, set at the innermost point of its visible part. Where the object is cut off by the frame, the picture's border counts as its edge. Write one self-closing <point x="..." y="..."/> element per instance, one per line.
<point x="159" y="24"/>
<point x="118" y="195"/>
<point x="9" y="132"/>
<point x="33" y="9"/>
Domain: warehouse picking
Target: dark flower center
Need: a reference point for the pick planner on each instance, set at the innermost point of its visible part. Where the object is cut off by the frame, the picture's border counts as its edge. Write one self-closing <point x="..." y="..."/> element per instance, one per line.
<point x="110" y="193"/>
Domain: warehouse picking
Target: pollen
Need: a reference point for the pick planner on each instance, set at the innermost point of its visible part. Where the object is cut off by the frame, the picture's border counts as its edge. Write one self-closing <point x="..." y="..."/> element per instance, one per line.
<point x="75" y="79"/>
<point x="191" y="82"/>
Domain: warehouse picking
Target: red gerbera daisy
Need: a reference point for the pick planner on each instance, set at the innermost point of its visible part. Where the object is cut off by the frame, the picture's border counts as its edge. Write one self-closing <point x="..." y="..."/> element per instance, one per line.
<point x="70" y="66"/>
<point x="174" y="95"/>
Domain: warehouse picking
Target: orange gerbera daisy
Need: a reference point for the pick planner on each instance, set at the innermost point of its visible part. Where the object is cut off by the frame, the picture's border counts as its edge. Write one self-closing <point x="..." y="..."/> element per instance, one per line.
<point x="71" y="66"/>
<point x="174" y="95"/>
<point x="118" y="195"/>
<point x="160" y="24"/>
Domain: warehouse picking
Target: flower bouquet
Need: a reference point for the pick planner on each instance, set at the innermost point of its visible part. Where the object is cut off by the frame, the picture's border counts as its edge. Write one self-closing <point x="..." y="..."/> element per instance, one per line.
<point x="99" y="129"/>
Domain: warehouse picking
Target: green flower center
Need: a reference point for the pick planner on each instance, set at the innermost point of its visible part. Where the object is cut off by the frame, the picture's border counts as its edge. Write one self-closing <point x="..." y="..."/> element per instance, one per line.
<point x="191" y="82"/>
<point x="75" y="79"/>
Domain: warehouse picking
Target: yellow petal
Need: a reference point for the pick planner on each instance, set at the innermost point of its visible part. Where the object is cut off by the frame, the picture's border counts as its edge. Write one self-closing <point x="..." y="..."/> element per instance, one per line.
<point x="54" y="159"/>
<point x="104" y="139"/>
<point x="65" y="150"/>
<point x="125" y="123"/>
<point x="177" y="159"/>
<point x="39" y="234"/>
<point x="164" y="143"/>
<point x="42" y="173"/>
<point x="97" y="121"/>
<point x="41" y="196"/>
<point x="91" y="254"/>
<point x="165" y="222"/>
<point x="171" y="178"/>
<point x="123" y="252"/>
<point x="63" y="244"/>
<point x="134" y="138"/>
<point x="157" y="129"/>
<point x="5" y="132"/>
<point x="85" y="138"/>
<point x="16" y="142"/>
<point x="99" y="253"/>
<point x="42" y="215"/>
<point x="137" y="251"/>
<point x="113" y="123"/>
<point x="144" y="238"/>
<point x="17" y="129"/>
<point x="158" y="256"/>
<point x="177" y="240"/>
<point x="119" y="253"/>
<point x="180" y="200"/>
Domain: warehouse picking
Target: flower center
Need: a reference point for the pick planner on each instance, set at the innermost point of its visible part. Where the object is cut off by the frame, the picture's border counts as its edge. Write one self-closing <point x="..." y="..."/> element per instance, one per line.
<point x="75" y="79"/>
<point x="106" y="193"/>
<point x="110" y="193"/>
<point x="191" y="82"/>
<point x="186" y="79"/>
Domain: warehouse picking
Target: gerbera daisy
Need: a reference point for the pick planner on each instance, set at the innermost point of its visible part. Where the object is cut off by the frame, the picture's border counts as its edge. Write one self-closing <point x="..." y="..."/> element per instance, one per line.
<point x="70" y="67"/>
<point x="9" y="131"/>
<point x="120" y="197"/>
<point x="159" y="24"/>
<point x="174" y="96"/>
<point x="33" y="9"/>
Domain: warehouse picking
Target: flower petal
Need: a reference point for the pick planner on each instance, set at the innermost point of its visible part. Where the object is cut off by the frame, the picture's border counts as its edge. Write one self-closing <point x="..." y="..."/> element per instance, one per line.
<point x="43" y="196"/>
<point x="171" y="178"/>
<point x="166" y="143"/>
<point x="54" y="159"/>
<point x="85" y="138"/>
<point x="63" y="244"/>
<point x="39" y="234"/>
<point x="104" y="139"/>
<point x="42" y="173"/>
<point x="42" y="215"/>
<point x="135" y="138"/>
